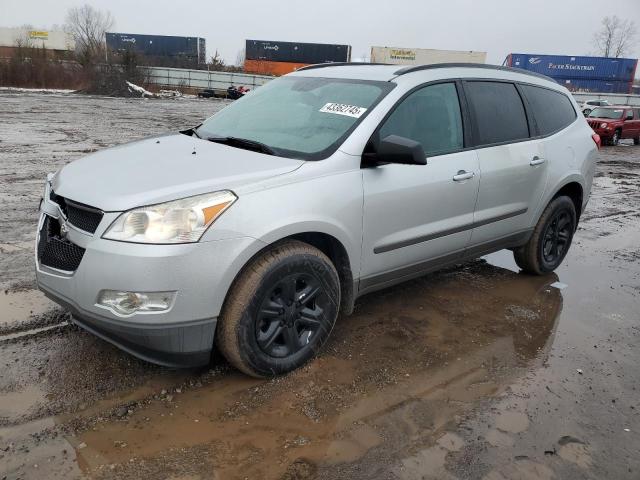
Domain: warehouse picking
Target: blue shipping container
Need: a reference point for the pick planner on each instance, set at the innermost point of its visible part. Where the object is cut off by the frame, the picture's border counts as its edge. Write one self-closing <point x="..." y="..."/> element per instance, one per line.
<point x="595" y="86"/>
<point x="588" y="68"/>
<point x="158" y="45"/>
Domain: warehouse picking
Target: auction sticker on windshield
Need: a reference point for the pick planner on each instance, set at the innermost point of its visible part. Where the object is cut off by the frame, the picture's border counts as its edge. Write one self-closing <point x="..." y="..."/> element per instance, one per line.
<point x="343" y="109"/>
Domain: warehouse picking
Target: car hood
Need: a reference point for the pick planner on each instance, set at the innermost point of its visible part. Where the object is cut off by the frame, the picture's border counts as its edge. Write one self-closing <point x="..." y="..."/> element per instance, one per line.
<point x="163" y="168"/>
<point x="600" y="119"/>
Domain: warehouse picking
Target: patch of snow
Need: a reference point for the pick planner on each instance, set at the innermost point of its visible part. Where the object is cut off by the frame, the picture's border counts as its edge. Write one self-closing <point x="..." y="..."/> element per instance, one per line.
<point x="36" y="90"/>
<point x="140" y="90"/>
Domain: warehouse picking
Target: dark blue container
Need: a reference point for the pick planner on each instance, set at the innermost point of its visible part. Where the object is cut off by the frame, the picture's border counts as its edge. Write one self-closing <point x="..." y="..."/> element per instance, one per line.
<point x="595" y="86"/>
<point x="293" y="52"/>
<point x="158" y="45"/>
<point x="587" y="68"/>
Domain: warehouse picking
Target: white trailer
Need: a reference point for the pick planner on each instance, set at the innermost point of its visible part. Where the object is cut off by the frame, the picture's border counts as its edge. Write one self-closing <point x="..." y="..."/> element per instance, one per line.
<point x="26" y="37"/>
<point x="424" y="56"/>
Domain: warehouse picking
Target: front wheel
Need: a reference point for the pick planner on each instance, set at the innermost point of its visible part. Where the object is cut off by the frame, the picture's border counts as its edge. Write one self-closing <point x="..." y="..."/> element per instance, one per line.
<point x="586" y="112"/>
<point x="280" y="310"/>
<point x="550" y="240"/>
<point x="615" y="140"/>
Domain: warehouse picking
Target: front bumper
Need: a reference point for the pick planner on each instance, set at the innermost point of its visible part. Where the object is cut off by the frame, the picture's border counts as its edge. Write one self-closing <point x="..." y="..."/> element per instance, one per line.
<point x="200" y="274"/>
<point x="605" y="133"/>
<point x="179" y="345"/>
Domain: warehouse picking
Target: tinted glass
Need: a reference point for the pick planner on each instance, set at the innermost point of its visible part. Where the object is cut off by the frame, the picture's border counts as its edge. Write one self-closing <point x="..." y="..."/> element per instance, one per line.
<point x="430" y="116"/>
<point x="552" y="110"/>
<point x="498" y="112"/>
<point x="305" y="117"/>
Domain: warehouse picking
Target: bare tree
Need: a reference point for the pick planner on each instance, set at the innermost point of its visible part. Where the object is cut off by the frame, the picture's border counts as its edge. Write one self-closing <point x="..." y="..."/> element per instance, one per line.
<point x="88" y="25"/>
<point x="23" y="38"/>
<point x="216" y="62"/>
<point x="616" y="38"/>
<point x="240" y="58"/>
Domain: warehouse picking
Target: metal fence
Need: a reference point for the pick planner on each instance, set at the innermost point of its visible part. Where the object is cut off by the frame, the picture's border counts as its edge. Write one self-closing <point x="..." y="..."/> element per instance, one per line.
<point x="199" y="79"/>
<point x="612" y="98"/>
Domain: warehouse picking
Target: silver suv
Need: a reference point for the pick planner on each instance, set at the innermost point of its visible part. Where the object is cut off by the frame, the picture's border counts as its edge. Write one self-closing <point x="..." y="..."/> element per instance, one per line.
<point x="254" y="230"/>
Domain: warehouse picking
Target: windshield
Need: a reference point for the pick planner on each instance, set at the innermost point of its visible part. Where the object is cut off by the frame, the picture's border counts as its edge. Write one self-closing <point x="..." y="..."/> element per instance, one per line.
<point x="606" y="113"/>
<point x="298" y="117"/>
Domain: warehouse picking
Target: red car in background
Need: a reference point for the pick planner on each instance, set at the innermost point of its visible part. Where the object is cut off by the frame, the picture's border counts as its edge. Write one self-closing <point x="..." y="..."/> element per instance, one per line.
<point x="615" y="123"/>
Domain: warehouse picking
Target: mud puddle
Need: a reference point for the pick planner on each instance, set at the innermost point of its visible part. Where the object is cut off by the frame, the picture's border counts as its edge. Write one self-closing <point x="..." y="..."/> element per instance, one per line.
<point x="399" y="371"/>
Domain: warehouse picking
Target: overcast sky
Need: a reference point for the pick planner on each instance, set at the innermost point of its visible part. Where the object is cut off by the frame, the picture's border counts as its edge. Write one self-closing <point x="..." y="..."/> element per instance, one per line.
<point x="495" y="26"/>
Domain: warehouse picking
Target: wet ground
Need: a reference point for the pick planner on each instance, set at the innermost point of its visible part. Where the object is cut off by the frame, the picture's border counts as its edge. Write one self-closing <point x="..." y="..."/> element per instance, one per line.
<point x="476" y="372"/>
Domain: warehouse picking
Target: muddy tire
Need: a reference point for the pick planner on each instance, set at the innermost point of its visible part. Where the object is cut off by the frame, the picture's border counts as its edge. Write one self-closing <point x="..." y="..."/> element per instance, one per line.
<point x="280" y="310"/>
<point x="615" y="140"/>
<point x="550" y="240"/>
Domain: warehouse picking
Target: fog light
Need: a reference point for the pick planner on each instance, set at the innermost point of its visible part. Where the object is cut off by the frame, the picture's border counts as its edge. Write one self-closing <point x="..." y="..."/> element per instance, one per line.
<point x="128" y="303"/>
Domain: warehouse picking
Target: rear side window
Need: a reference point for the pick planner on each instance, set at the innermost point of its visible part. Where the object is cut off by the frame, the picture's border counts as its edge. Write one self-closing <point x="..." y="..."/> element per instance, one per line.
<point x="498" y="112"/>
<point x="430" y="116"/>
<point x="552" y="110"/>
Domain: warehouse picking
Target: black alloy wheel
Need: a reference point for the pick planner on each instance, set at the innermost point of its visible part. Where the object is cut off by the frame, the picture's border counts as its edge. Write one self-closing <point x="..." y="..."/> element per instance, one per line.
<point x="557" y="237"/>
<point x="280" y="310"/>
<point x="551" y="238"/>
<point x="291" y="313"/>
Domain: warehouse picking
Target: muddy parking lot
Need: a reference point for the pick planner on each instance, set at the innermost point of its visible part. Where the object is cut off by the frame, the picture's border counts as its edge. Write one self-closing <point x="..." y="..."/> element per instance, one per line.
<point x="476" y="372"/>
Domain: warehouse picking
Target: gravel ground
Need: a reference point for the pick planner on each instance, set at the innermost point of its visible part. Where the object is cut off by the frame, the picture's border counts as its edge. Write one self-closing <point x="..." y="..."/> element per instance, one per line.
<point x="475" y="372"/>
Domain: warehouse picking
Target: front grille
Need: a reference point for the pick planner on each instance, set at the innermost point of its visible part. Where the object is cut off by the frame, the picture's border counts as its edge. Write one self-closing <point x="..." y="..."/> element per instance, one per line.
<point x="55" y="251"/>
<point x="593" y="123"/>
<point x="79" y="215"/>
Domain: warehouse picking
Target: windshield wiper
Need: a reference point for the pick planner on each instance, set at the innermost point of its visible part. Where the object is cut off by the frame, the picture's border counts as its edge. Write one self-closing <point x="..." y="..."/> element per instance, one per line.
<point x="244" y="143"/>
<point x="191" y="132"/>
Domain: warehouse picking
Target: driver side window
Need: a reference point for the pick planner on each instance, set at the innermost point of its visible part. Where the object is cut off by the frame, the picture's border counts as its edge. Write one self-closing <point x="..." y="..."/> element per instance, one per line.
<point x="431" y="116"/>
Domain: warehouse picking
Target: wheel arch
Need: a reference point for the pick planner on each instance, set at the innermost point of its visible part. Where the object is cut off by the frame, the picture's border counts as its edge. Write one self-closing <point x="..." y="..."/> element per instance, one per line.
<point x="575" y="192"/>
<point x="328" y="244"/>
<point x="573" y="186"/>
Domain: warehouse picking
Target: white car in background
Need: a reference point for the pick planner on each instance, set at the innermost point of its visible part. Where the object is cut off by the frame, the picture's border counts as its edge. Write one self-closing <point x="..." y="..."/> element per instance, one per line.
<point x="589" y="105"/>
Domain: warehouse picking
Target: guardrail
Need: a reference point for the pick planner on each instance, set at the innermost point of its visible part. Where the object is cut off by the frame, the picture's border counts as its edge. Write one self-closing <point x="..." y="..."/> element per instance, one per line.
<point x="612" y="98"/>
<point x="199" y="79"/>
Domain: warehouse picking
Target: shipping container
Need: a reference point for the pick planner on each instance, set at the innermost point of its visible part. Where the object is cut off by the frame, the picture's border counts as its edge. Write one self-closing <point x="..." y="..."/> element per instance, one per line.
<point x="264" y="67"/>
<point x="192" y="48"/>
<point x="424" y="56"/>
<point x="587" y="68"/>
<point x="303" y="53"/>
<point x="49" y="39"/>
<point x="595" y="86"/>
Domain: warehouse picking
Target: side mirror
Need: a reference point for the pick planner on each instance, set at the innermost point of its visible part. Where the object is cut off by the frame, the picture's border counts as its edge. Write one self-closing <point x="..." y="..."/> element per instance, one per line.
<point x="396" y="149"/>
<point x="629" y="117"/>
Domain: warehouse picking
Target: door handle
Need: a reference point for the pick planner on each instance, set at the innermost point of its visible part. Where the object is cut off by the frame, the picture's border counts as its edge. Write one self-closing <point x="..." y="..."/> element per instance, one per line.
<point x="536" y="161"/>
<point x="462" y="176"/>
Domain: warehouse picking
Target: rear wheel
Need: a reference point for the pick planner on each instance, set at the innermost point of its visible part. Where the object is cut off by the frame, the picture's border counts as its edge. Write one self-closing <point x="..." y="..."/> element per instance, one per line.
<point x="280" y="311"/>
<point x="550" y="240"/>
<point x="586" y="112"/>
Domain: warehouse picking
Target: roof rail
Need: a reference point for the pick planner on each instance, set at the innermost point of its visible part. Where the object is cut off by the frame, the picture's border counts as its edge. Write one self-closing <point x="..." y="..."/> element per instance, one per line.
<point x="337" y="64"/>
<point x="417" y="68"/>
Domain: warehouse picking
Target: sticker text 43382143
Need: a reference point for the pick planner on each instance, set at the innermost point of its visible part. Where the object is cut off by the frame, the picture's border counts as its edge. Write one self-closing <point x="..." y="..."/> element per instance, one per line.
<point x="343" y="109"/>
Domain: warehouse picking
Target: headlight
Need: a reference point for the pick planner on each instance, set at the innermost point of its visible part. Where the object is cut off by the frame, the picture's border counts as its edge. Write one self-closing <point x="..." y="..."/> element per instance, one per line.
<point x="603" y="125"/>
<point x="179" y="221"/>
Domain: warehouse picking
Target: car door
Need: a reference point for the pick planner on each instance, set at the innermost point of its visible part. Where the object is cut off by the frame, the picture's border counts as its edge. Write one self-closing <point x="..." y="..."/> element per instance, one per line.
<point x="628" y="124"/>
<point x="418" y="215"/>
<point x="513" y="165"/>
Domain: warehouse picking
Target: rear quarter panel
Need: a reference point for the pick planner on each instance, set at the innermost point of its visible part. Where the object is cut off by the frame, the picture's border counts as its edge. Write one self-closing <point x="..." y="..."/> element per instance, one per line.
<point x="571" y="154"/>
